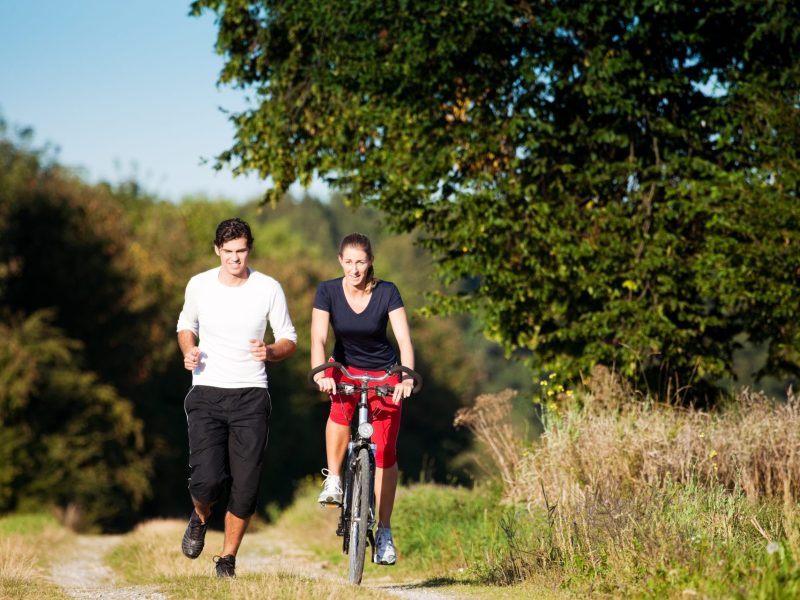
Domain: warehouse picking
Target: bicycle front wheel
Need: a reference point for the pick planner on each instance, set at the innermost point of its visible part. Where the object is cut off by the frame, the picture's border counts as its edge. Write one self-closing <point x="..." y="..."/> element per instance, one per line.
<point x="359" y="516"/>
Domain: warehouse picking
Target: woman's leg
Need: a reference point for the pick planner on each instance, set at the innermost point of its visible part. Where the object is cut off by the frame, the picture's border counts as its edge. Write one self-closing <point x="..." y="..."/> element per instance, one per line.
<point x="386" y="424"/>
<point x="336" y="438"/>
<point x="385" y="489"/>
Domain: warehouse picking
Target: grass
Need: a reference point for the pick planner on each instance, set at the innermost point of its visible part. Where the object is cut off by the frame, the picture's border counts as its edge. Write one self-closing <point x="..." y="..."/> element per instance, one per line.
<point x="621" y="497"/>
<point x="28" y="542"/>
<point x="424" y="526"/>
<point x="626" y="497"/>
<point x="446" y="537"/>
<point x="685" y="540"/>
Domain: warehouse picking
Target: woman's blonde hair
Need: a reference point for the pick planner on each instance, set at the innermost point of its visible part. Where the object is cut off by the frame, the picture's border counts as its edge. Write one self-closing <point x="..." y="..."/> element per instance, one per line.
<point x="360" y="241"/>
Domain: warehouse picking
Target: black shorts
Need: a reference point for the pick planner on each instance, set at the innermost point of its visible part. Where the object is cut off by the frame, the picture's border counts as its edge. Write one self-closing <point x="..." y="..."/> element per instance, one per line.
<point x="228" y="431"/>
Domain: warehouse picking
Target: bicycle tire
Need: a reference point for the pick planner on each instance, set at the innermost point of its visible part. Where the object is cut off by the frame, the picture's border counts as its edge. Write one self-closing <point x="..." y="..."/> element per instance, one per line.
<point x="359" y="516"/>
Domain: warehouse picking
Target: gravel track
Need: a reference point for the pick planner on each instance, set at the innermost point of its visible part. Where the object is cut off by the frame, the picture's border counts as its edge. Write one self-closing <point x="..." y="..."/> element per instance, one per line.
<point x="83" y="574"/>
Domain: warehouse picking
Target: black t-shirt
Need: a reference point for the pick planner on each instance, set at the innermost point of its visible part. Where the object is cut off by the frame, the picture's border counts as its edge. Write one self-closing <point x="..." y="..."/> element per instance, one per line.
<point x="360" y="337"/>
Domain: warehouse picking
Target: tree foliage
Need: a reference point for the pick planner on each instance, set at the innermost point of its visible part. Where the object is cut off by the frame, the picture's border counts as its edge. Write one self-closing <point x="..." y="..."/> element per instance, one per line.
<point x="614" y="182"/>
<point x="68" y="439"/>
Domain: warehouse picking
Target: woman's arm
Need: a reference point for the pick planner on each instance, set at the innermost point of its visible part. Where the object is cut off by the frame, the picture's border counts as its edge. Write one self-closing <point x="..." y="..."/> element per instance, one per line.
<point x="320" y="320"/>
<point x="402" y="334"/>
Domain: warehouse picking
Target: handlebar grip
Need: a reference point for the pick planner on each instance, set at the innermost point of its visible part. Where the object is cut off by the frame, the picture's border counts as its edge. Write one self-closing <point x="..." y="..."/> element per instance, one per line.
<point x="322" y="367"/>
<point x="413" y="374"/>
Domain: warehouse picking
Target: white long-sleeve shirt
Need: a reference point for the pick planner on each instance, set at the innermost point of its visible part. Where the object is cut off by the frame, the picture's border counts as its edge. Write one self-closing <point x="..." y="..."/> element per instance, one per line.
<point x="225" y="319"/>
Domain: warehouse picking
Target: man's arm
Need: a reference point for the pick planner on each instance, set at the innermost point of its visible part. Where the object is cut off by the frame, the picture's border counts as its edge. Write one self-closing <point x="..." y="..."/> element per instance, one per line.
<point x="280" y="349"/>
<point x="191" y="353"/>
<point x="275" y="352"/>
<point x="282" y="331"/>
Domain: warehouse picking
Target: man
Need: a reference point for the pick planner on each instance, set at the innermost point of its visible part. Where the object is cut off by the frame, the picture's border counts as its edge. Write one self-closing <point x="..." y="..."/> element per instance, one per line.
<point x="228" y="406"/>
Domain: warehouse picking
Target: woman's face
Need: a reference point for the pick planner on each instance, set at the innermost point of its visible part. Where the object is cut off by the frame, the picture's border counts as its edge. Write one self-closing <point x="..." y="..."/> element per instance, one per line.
<point x="355" y="264"/>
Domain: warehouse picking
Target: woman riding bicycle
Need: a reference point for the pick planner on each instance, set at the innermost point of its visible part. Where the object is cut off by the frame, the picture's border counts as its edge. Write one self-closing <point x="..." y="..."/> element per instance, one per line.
<point x="358" y="307"/>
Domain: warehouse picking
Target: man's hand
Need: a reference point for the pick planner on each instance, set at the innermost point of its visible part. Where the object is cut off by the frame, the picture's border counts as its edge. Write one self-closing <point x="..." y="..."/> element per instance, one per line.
<point x="259" y="350"/>
<point x="191" y="360"/>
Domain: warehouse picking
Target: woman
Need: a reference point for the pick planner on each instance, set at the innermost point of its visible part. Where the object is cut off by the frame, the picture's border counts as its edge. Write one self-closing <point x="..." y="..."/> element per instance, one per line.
<point x="358" y="307"/>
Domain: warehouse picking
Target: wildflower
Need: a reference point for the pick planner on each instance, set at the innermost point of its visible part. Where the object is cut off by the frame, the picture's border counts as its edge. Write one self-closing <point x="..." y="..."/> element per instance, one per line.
<point x="773" y="547"/>
<point x="712" y="454"/>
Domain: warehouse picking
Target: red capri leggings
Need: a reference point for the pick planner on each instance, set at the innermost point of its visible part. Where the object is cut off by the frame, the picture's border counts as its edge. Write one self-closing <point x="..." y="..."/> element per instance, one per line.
<point x="385" y="414"/>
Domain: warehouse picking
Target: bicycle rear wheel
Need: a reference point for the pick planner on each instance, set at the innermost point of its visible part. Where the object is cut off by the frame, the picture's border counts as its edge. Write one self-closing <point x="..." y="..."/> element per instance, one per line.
<point x="359" y="516"/>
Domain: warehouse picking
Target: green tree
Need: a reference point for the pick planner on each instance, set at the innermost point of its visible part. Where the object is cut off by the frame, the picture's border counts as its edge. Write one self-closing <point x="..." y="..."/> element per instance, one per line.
<point x="609" y="182"/>
<point x="68" y="438"/>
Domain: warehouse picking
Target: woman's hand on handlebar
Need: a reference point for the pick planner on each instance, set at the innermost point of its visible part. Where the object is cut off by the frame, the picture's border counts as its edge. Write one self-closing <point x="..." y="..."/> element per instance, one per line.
<point x="326" y="384"/>
<point x="402" y="390"/>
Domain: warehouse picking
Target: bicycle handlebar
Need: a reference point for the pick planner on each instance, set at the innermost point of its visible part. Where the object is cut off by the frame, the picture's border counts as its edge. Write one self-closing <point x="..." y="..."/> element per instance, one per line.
<point x="364" y="379"/>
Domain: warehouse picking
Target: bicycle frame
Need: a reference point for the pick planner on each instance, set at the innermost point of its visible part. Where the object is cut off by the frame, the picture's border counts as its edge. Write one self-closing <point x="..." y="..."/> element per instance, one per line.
<point x="361" y="438"/>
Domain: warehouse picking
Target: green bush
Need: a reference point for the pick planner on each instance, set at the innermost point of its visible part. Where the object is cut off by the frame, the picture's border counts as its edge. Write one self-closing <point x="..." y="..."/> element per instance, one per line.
<point x="449" y="529"/>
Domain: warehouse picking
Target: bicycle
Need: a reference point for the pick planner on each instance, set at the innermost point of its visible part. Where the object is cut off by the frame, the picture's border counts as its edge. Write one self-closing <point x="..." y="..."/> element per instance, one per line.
<point x="357" y="516"/>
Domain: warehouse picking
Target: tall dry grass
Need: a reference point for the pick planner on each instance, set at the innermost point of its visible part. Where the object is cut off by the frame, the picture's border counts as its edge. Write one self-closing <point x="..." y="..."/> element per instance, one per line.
<point x="609" y="441"/>
<point x="29" y="544"/>
<point x="18" y="561"/>
<point x="489" y="419"/>
<point x="627" y="489"/>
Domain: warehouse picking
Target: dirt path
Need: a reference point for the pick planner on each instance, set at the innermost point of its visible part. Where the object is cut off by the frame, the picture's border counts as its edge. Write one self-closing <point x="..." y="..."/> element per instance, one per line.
<point x="270" y="550"/>
<point x="84" y="574"/>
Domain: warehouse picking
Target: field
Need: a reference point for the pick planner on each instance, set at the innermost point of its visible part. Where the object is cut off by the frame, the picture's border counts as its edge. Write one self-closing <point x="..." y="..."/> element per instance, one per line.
<point x="619" y="497"/>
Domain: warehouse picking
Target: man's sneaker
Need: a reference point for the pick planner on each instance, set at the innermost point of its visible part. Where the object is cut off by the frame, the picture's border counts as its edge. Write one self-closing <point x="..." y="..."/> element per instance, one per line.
<point x="331" y="493"/>
<point x="195" y="537"/>
<point x="226" y="565"/>
<point x="385" y="553"/>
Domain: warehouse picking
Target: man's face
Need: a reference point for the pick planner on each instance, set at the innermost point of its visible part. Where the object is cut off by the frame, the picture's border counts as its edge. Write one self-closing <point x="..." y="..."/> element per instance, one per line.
<point x="233" y="256"/>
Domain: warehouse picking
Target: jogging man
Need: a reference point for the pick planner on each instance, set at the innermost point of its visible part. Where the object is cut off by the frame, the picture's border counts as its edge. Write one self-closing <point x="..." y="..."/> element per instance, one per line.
<point x="228" y="406"/>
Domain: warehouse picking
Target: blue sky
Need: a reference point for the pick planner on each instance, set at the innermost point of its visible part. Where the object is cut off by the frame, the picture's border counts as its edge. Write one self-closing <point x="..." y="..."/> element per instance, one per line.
<point x="124" y="89"/>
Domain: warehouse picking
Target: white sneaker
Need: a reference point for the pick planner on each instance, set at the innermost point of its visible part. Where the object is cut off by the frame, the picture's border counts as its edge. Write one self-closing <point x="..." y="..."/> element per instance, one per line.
<point x="331" y="493"/>
<point x="385" y="553"/>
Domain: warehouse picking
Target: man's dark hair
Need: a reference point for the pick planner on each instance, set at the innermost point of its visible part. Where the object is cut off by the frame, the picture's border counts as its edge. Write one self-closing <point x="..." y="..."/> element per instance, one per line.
<point x="233" y="229"/>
